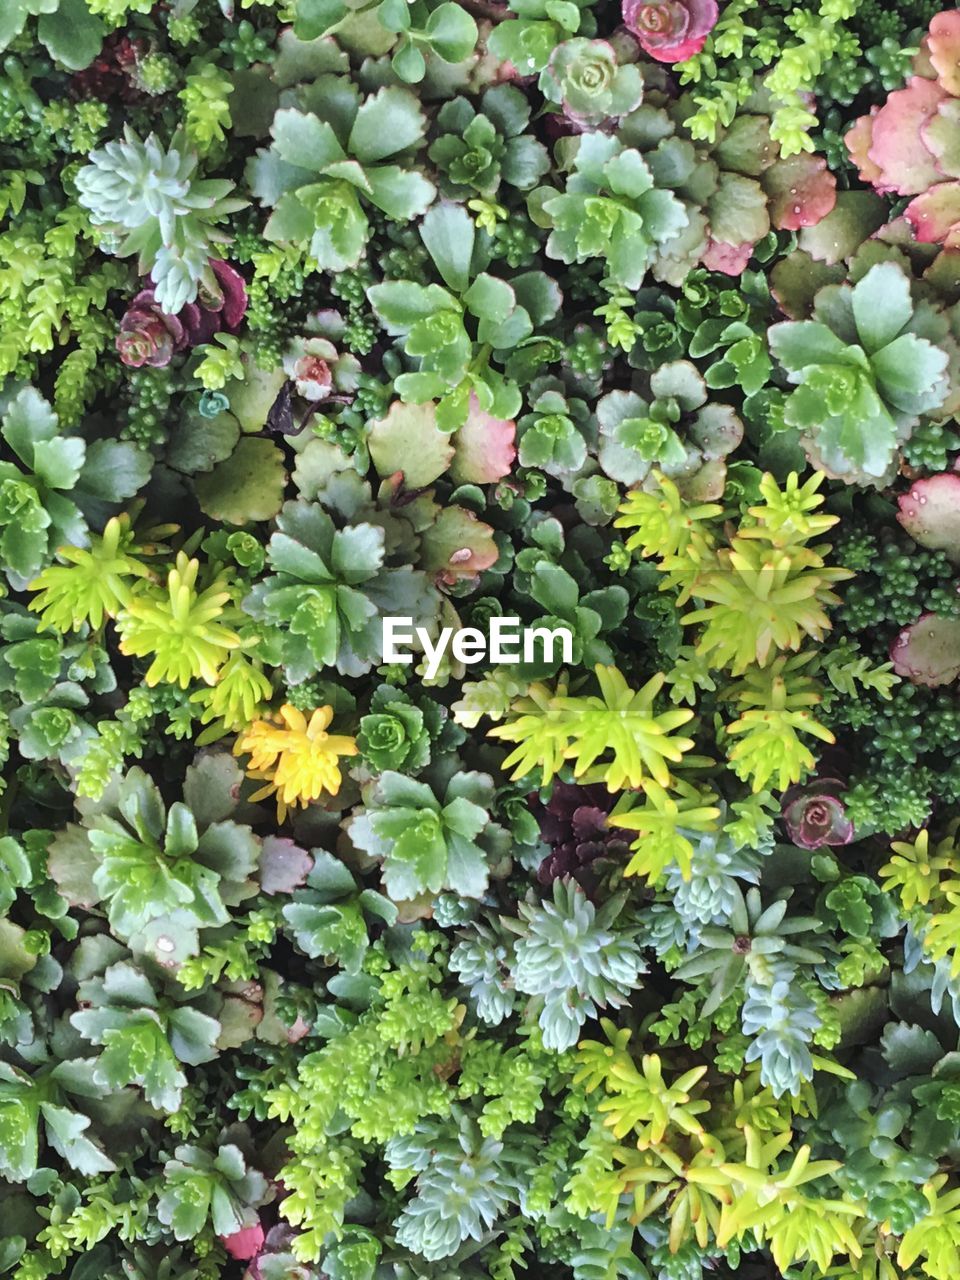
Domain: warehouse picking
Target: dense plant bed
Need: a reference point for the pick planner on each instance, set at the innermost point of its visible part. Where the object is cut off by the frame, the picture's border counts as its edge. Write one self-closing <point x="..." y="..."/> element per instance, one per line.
<point x="326" y="323"/>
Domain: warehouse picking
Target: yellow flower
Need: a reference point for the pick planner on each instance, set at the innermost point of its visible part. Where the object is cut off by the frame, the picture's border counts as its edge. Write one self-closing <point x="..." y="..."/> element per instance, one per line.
<point x="298" y="760"/>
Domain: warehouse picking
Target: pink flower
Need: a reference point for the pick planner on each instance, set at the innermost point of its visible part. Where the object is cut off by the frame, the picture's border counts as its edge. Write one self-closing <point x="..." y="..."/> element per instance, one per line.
<point x="670" y="30"/>
<point x="245" y="1243"/>
<point x="149" y="336"/>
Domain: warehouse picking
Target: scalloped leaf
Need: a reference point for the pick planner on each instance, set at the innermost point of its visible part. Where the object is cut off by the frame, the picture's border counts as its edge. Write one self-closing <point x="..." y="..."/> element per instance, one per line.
<point x="247" y="486"/>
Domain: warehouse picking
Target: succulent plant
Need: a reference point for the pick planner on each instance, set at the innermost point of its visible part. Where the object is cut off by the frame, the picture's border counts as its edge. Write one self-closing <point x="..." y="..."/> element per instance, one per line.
<point x="318" y="370"/>
<point x="162" y="873"/>
<point x="585" y="78"/>
<point x="930" y="513"/>
<point x="611" y="207"/>
<point x="928" y="651"/>
<point x="670" y="30"/>
<point x="151" y="336"/>
<point x="573" y="822"/>
<point x="554" y="434"/>
<point x="327" y="591"/>
<point x="170" y="216"/>
<point x="909" y="145"/>
<point x="576" y="958"/>
<point x="477" y="150"/>
<point x="866" y="367"/>
<point x="428" y="843"/>
<point x="814" y="814"/>
<point x="322" y="161"/>
<point x="48" y="478"/>
<point x="676" y="431"/>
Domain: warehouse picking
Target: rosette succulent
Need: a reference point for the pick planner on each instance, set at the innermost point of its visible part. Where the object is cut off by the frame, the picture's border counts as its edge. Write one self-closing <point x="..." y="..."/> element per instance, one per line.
<point x="151" y="336"/>
<point x="866" y="368"/>
<point x="328" y="590"/>
<point x="48" y="478"/>
<point x="815" y="814"/>
<point x="318" y="370"/>
<point x="573" y="822"/>
<point x="477" y="150"/>
<point x="428" y="841"/>
<point x="396" y="733"/>
<point x="325" y="163"/>
<point x="677" y="432"/>
<point x="161" y="872"/>
<point x="554" y="435"/>
<point x="585" y="78"/>
<point x="610" y="208"/>
<point x="150" y="198"/>
<point x="670" y="30"/>
<point x="575" y="958"/>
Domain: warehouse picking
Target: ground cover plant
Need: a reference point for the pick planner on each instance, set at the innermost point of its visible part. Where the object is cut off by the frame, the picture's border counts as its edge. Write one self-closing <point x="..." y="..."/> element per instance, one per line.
<point x="639" y="320"/>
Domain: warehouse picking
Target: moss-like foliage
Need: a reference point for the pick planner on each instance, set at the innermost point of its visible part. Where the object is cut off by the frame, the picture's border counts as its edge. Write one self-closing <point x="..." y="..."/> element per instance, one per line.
<point x="339" y="950"/>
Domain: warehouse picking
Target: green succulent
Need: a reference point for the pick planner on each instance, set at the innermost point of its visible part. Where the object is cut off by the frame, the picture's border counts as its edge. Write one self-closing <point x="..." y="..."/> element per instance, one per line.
<point x="27" y="1099"/>
<point x="151" y="201"/>
<point x="477" y="150"/>
<point x="397" y="733"/>
<point x="677" y="431"/>
<point x="328" y="591"/>
<point x="144" y="1038"/>
<point x="554" y="435"/>
<point x="866" y="368"/>
<point x="322" y="161"/>
<point x="431" y="842"/>
<point x="754" y="941"/>
<point x="198" y="1184"/>
<point x="585" y="78"/>
<point x="444" y="31"/>
<point x="48" y="481"/>
<point x="71" y="31"/>
<point x="574" y="958"/>
<point x="464" y="1183"/>
<point x="162" y="873"/>
<point x="329" y="916"/>
<point x="611" y="208"/>
<point x="539" y="27"/>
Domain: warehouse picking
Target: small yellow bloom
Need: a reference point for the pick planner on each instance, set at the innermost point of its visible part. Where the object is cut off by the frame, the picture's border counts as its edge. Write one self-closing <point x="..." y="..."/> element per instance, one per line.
<point x="297" y="760"/>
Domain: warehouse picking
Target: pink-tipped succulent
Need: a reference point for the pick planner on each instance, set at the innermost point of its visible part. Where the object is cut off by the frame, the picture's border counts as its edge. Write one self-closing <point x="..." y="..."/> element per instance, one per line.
<point x="148" y="336"/>
<point x="814" y="814"/>
<point x="928" y="651"/>
<point x="801" y="190"/>
<point x="911" y="145"/>
<point x="484" y="447"/>
<point x="670" y="30"/>
<point x="930" y="513"/>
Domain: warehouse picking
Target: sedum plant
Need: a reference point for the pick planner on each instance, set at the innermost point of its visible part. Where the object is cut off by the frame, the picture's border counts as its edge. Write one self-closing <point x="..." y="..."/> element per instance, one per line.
<point x="636" y="322"/>
<point x="476" y="151"/>
<point x="149" y="198"/>
<point x="573" y="959"/>
<point x="610" y="207"/>
<point x="47" y="480"/>
<point x="551" y="728"/>
<point x="321" y="162"/>
<point x="323" y="597"/>
<point x="866" y="368"/>
<point x="430" y="843"/>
